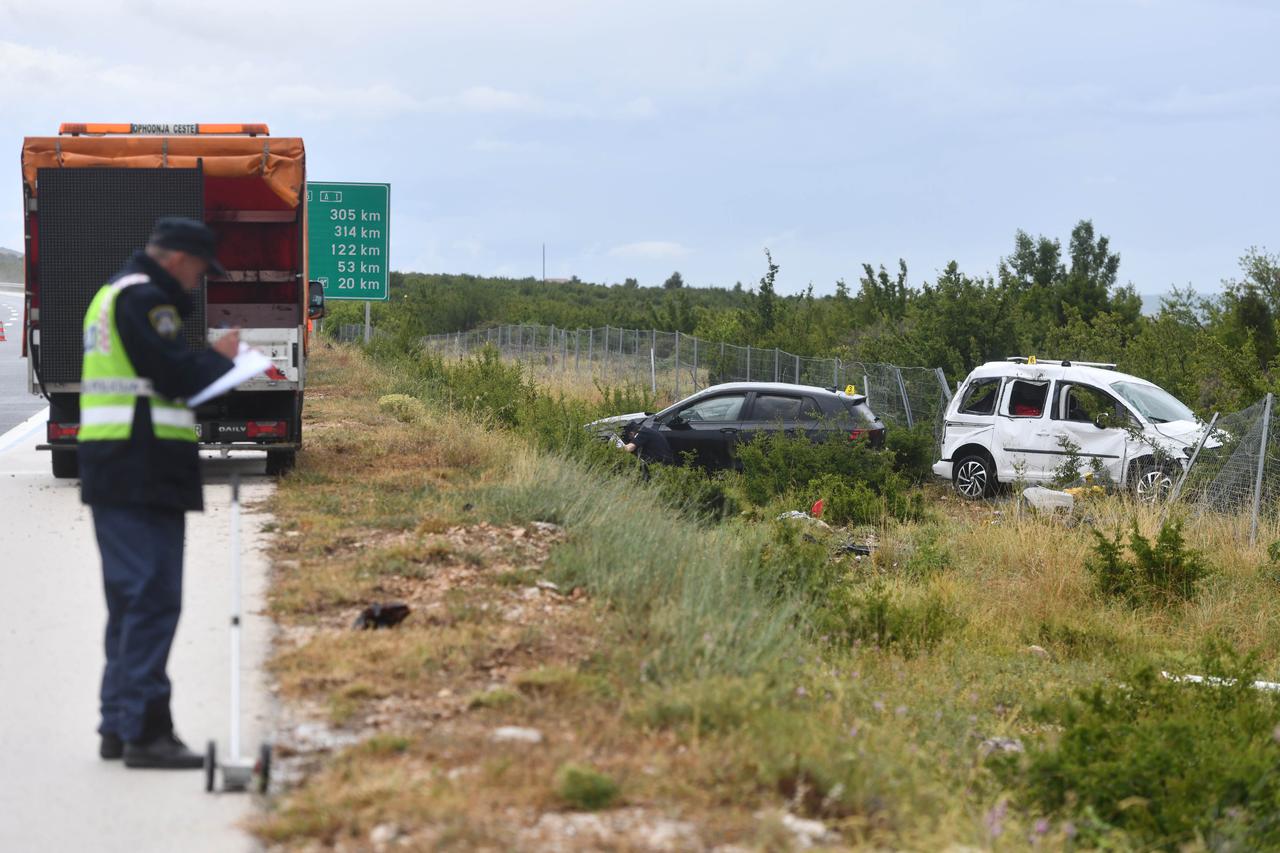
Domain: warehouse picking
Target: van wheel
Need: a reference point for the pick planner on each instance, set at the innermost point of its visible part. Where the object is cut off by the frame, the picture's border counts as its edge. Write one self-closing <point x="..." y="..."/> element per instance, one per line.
<point x="1151" y="483"/>
<point x="973" y="478"/>
<point x="66" y="464"/>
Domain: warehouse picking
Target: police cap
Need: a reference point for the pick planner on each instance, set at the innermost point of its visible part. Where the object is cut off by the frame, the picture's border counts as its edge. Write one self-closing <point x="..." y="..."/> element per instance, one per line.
<point x="188" y="235"/>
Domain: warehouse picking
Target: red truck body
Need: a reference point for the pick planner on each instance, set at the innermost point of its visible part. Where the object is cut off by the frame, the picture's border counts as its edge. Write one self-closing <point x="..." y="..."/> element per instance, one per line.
<point x="90" y="196"/>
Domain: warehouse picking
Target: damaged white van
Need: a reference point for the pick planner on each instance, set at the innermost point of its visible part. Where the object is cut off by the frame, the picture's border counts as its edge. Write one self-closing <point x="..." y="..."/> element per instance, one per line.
<point x="1018" y="420"/>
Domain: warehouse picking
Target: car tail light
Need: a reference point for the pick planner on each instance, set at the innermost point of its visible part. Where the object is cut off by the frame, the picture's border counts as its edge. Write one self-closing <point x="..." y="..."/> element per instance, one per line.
<point x="269" y="429"/>
<point x="62" y="432"/>
<point x="857" y="434"/>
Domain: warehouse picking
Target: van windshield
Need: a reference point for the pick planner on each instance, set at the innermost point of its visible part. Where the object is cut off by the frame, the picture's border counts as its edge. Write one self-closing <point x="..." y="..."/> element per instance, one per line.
<point x="1155" y="404"/>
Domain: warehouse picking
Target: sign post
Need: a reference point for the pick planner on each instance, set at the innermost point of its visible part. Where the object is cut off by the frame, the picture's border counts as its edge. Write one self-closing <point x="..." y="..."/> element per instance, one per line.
<point x="348" y="241"/>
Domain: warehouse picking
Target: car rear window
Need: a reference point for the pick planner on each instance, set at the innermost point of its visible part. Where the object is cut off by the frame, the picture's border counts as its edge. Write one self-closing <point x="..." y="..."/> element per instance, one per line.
<point x="861" y="412"/>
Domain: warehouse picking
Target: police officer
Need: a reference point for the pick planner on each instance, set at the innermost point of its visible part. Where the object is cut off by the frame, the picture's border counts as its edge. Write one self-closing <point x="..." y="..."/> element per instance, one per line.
<point x="139" y="473"/>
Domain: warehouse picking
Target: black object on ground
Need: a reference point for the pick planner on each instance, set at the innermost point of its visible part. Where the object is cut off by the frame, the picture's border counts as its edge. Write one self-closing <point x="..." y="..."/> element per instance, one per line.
<point x="853" y="548"/>
<point x="381" y="616"/>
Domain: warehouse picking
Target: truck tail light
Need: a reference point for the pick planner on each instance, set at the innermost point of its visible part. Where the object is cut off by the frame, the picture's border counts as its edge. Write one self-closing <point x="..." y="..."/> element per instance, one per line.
<point x="266" y="429"/>
<point x="63" y="432"/>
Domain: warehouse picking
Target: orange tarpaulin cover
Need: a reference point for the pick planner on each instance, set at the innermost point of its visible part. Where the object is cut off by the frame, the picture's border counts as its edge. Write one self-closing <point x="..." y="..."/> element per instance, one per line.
<point x="277" y="160"/>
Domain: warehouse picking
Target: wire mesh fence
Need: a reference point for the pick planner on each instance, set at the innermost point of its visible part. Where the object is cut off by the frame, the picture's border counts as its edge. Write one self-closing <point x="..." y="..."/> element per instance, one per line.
<point x="673" y="365"/>
<point x="1236" y="470"/>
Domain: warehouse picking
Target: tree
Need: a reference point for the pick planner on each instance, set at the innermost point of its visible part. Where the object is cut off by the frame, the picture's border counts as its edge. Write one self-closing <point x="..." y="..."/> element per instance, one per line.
<point x="766" y="299"/>
<point x="674" y="282"/>
<point x="631" y="284"/>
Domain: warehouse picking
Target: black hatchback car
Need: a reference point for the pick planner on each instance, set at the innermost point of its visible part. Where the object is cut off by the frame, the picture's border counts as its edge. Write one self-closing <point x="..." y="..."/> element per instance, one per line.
<point x="710" y="423"/>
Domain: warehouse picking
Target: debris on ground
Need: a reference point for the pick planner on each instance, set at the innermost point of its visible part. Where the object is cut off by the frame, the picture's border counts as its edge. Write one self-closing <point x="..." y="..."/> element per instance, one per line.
<point x="383" y="834"/>
<point x="1216" y="681"/>
<point x="386" y="615"/>
<point x="855" y="548"/>
<point x="619" y="829"/>
<point x="805" y="833"/>
<point x="797" y="515"/>
<point x="1047" y="500"/>
<point x="999" y="744"/>
<point x="516" y="734"/>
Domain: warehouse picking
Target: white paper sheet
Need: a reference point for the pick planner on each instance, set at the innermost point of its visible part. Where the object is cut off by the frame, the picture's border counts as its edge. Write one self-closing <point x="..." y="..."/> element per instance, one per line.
<point x="248" y="363"/>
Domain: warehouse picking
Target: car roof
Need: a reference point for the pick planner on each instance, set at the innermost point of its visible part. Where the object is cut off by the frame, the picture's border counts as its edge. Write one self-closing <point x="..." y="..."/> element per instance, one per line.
<point x="1054" y="370"/>
<point x="781" y="387"/>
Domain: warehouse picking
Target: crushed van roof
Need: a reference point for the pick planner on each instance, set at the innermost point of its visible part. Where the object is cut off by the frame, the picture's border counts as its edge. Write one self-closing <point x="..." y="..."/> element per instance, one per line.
<point x="1052" y="370"/>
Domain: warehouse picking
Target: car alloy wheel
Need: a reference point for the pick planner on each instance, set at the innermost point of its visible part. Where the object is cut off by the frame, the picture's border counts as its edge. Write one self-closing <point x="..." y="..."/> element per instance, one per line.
<point x="1153" y="485"/>
<point x="972" y="478"/>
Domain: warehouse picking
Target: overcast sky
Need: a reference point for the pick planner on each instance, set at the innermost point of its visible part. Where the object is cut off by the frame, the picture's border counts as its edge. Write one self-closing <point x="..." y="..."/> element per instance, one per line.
<point x="639" y="138"/>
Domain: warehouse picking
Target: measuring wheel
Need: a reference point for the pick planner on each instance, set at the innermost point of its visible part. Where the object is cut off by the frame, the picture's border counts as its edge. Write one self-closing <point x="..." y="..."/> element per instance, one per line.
<point x="262" y="770"/>
<point x="210" y="765"/>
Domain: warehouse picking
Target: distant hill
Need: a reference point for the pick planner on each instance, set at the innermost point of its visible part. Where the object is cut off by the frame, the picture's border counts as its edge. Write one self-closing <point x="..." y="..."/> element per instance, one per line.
<point x="11" y="265"/>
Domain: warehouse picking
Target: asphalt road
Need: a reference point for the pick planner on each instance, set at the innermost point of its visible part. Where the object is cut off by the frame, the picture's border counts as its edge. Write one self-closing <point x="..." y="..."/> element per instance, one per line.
<point x="16" y="405"/>
<point x="55" y="793"/>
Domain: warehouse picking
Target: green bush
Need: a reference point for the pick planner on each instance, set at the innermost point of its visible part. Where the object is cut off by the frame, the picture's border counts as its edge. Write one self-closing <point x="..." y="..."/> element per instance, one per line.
<point x="586" y="788"/>
<point x="914" y="451"/>
<point x="695" y="491"/>
<point x="1170" y="763"/>
<point x="402" y="407"/>
<point x="1166" y="572"/>
<point x="847" y="501"/>
<point x="857" y="484"/>
<point x="910" y="620"/>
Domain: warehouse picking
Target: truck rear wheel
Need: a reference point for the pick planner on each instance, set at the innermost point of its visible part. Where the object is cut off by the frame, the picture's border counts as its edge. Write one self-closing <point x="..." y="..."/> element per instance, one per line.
<point x="66" y="464"/>
<point x="280" y="462"/>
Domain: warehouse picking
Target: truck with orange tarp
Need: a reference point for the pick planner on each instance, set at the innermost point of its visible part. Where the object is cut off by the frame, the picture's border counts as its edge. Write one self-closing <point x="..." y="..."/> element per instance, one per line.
<point x="90" y="197"/>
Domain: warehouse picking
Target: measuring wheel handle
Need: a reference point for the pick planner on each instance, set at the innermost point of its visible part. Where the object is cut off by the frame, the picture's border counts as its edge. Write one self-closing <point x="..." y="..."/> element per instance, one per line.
<point x="262" y="770"/>
<point x="210" y="765"/>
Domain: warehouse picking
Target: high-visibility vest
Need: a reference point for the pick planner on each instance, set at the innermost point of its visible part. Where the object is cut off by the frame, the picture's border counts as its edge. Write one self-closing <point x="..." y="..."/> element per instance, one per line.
<point x="110" y="386"/>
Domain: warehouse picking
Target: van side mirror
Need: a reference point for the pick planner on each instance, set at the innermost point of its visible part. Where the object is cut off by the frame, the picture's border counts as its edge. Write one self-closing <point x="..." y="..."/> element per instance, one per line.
<point x="315" y="300"/>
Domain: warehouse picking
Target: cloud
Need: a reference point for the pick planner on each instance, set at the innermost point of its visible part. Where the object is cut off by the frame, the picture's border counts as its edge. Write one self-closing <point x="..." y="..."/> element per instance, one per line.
<point x="374" y="100"/>
<point x="650" y="250"/>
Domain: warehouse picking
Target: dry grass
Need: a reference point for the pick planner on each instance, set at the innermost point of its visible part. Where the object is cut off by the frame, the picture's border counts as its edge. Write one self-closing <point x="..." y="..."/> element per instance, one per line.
<point x="382" y="510"/>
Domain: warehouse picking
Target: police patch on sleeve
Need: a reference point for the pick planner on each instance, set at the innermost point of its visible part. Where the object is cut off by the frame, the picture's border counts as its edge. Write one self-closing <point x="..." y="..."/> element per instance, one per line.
<point x="165" y="320"/>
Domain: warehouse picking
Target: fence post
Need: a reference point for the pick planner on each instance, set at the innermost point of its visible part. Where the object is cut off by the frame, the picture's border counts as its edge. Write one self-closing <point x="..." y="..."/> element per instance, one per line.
<point x="906" y="401"/>
<point x="695" y="365"/>
<point x="797" y="375"/>
<point x="1177" y="487"/>
<point x="775" y="364"/>
<point x="605" y="363"/>
<point x="677" y="392"/>
<point x="748" y="362"/>
<point x="942" y="380"/>
<point x="835" y="373"/>
<point x="1262" y="458"/>
<point x="866" y="388"/>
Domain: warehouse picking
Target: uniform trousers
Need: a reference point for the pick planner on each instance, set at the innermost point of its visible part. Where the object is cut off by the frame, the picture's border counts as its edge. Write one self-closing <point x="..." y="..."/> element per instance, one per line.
<point x="141" y="549"/>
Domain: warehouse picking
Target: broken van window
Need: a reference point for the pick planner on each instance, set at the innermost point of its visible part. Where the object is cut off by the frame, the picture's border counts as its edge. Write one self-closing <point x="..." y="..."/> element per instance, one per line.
<point x="1026" y="399"/>
<point x="980" y="397"/>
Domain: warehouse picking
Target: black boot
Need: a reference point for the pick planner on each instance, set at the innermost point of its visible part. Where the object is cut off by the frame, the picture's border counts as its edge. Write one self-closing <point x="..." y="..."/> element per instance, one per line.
<point x="164" y="752"/>
<point x="111" y="747"/>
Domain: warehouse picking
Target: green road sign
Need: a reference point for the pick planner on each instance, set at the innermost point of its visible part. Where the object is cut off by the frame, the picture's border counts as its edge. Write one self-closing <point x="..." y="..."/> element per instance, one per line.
<point x="347" y="237"/>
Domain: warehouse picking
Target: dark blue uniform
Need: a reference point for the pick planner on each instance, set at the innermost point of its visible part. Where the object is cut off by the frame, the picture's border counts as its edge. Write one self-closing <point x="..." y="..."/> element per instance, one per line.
<point x="139" y="490"/>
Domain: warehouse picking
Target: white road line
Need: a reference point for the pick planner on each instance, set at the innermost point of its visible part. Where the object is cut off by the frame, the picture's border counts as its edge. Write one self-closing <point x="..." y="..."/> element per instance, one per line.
<point x="23" y="431"/>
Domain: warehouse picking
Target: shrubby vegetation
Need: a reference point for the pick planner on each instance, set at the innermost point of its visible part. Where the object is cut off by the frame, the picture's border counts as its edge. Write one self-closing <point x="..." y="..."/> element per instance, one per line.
<point x="1163" y="761"/>
<point x="1054" y="300"/>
